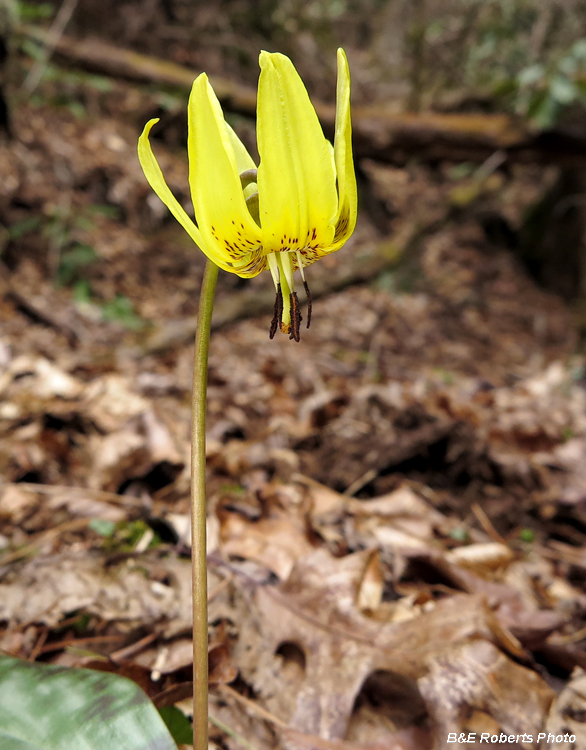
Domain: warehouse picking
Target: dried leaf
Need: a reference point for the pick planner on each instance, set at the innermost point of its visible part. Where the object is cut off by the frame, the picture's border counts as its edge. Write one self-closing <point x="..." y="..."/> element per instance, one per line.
<point x="370" y="588"/>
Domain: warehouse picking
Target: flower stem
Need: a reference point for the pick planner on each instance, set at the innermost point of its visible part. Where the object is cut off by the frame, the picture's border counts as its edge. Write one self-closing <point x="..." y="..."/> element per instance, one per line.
<point x="198" y="509"/>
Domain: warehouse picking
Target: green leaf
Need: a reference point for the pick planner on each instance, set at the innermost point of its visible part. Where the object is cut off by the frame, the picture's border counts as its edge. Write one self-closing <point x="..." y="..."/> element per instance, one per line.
<point x="32" y="49"/>
<point x="11" y="743"/>
<point x="531" y="75"/>
<point x="102" y="526"/>
<point x="563" y="90"/>
<point x="98" y="209"/>
<point x="46" y="707"/>
<point x="82" y="292"/>
<point x="32" y="12"/>
<point x="579" y="49"/>
<point x="178" y="724"/>
<point x="459" y="534"/>
<point x="20" y="228"/>
<point x="121" y="309"/>
<point x="73" y="260"/>
<point x="543" y="109"/>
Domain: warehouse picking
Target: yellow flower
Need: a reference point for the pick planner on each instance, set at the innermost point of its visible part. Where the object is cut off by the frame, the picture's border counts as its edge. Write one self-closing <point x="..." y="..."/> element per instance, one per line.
<point x="297" y="207"/>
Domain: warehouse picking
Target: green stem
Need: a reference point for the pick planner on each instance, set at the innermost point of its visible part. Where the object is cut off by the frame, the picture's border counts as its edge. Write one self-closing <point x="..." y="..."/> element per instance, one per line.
<point x="198" y="509"/>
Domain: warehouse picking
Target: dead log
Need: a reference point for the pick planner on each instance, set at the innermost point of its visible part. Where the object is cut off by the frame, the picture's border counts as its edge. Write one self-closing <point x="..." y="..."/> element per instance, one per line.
<point x="98" y="56"/>
<point x="378" y="132"/>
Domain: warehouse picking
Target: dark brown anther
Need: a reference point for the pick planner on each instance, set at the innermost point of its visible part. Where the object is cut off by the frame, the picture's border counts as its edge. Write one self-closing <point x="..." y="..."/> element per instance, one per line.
<point x="279" y="303"/>
<point x="277" y="313"/>
<point x="295" y="317"/>
<point x="308" y="295"/>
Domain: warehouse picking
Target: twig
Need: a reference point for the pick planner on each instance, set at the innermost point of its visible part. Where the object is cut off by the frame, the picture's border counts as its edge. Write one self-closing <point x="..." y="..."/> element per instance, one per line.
<point x="37" y="311"/>
<point x="60" y="645"/>
<point x="252" y="706"/>
<point x="486" y="524"/>
<point x="221" y="586"/>
<point x="38" y="647"/>
<point x="62" y="489"/>
<point x="54" y="35"/>
<point x="133" y="648"/>
<point x="46" y="536"/>
<point x="361" y="482"/>
<point x="231" y="733"/>
<point x="379" y="132"/>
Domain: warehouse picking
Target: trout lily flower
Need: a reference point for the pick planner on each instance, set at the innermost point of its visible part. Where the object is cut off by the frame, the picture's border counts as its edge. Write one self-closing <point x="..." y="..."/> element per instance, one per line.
<point x="297" y="206"/>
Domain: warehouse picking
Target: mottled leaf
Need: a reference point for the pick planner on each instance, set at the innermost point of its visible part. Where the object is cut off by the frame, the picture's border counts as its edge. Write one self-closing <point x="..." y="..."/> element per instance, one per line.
<point x="45" y="707"/>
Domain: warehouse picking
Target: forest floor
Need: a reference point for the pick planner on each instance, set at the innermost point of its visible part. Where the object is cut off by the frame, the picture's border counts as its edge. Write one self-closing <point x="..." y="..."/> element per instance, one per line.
<point x="396" y="503"/>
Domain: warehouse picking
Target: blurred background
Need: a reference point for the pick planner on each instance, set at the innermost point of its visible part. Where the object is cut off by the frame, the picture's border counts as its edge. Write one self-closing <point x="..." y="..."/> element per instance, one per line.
<point x="445" y="84"/>
<point x="416" y="461"/>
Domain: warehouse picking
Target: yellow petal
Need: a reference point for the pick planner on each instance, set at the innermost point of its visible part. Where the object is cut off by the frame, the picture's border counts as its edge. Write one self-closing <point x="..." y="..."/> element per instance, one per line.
<point x="347" y="211"/>
<point x="155" y="178"/>
<point x="214" y="177"/>
<point x="244" y="160"/>
<point x="296" y="179"/>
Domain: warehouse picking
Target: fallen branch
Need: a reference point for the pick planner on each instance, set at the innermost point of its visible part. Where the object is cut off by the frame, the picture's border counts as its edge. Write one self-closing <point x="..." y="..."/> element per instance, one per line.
<point x="378" y="132"/>
<point x="52" y="39"/>
<point x="108" y="59"/>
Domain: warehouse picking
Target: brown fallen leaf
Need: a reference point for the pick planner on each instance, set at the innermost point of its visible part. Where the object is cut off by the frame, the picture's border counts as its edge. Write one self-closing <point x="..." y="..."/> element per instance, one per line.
<point x="168" y="656"/>
<point x="482" y="559"/>
<point x="567" y="714"/>
<point x="117" y="455"/>
<point x="370" y="587"/>
<point x="413" y="738"/>
<point x="222" y="670"/>
<point x="62" y="583"/>
<point x="111" y="402"/>
<point x="525" y="623"/>
<point x="406" y="739"/>
<point x="315" y="612"/>
<point x="274" y="542"/>
<point x="477" y="676"/>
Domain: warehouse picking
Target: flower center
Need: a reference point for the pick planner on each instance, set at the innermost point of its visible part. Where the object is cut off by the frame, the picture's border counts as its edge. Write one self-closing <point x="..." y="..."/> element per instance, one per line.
<point x="287" y="312"/>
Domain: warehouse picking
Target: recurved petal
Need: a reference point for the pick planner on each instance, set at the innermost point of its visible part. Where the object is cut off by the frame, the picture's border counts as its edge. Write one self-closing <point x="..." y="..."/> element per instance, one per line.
<point x="347" y="194"/>
<point x="296" y="178"/>
<point x="155" y="178"/>
<point x="220" y="209"/>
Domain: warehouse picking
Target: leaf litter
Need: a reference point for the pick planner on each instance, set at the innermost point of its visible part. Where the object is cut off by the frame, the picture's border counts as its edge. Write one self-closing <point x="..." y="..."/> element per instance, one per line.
<point x="396" y="505"/>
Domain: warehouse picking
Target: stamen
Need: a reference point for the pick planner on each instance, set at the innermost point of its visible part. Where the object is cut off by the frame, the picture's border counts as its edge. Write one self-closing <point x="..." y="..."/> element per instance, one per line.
<point x="308" y="295"/>
<point x="295" y="317"/>
<point x="300" y="264"/>
<point x="277" y="313"/>
<point x="279" y="302"/>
